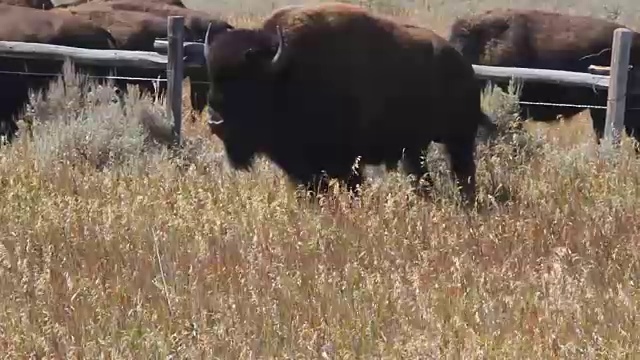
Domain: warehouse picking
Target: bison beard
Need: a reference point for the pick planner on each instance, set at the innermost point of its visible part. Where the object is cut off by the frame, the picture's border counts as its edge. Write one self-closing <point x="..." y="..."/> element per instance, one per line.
<point x="545" y="40"/>
<point x="318" y="86"/>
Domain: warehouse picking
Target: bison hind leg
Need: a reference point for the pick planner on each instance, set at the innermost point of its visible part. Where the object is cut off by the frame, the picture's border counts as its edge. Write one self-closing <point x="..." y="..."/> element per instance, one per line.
<point x="310" y="186"/>
<point x="634" y="134"/>
<point x="461" y="156"/>
<point x="598" y="118"/>
<point x="318" y="184"/>
<point x="414" y="166"/>
<point x="198" y="99"/>
<point x="8" y="131"/>
<point x="352" y="179"/>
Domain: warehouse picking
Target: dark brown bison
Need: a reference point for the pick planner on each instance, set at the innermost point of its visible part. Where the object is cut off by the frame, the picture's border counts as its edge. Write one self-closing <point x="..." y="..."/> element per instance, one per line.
<point x="317" y="86"/>
<point x="196" y="21"/>
<point x="35" y="4"/>
<point x="132" y="30"/>
<point x="39" y="26"/>
<point x="544" y="40"/>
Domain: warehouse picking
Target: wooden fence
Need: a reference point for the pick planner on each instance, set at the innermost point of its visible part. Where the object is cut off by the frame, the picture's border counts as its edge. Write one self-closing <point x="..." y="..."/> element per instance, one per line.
<point x="170" y="54"/>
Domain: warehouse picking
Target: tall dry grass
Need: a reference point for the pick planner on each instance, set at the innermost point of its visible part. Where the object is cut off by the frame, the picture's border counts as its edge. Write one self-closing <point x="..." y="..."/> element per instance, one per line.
<point x="112" y="246"/>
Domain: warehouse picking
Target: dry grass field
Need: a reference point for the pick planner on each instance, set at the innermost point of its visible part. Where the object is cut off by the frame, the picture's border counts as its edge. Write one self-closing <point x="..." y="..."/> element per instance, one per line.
<point x="112" y="246"/>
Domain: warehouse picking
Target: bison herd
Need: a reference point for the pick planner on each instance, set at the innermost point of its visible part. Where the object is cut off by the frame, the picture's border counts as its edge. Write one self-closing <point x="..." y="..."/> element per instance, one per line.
<point x="92" y="24"/>
<point x="317" y="88"/>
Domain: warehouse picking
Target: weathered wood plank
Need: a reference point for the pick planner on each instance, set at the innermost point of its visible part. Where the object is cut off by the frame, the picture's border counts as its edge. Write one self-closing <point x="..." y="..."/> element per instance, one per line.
<point x="566" y="78"/>
<point x="633" y="83"/>
<point x="175" y="74"/>
<point x="617" y="94"/>
<point x="603" y="70"/>
<point x="161" y="46"/>
<point x="108" y="58"/>
<point x="193" y="51"/>
<point x="145" y="59"/>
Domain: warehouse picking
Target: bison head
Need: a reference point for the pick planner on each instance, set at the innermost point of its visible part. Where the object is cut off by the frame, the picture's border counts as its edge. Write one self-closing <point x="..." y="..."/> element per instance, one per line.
<point x="472" y="36"/>
<point x="244" y="68"/>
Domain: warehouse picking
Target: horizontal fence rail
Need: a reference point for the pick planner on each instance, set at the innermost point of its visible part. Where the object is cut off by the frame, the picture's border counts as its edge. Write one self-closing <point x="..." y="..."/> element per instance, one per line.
<point x="493" y="73"/>
<point x="95" y="57"/>
<point x="176" y="56"/>
<point x="559" y="77"/>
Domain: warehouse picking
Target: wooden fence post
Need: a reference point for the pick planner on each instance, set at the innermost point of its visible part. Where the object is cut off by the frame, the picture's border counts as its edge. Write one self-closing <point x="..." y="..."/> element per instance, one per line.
<point x="175" y="74"/>
<point x="617" y="93"/>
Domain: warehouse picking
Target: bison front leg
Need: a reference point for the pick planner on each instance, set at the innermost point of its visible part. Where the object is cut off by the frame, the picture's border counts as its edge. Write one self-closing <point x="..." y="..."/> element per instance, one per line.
<point x="8" y="130"/>
<point x="463" y="166"/>
<point x="198" y="98"/>
<point x="598" y="118"/>
<point x="414" y="166"/>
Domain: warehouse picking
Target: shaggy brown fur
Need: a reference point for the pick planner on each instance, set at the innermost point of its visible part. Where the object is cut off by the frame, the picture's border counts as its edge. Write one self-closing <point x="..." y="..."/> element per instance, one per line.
<point x="40" y="26"/>
<point x="197" y="22"/>
<point x="136" y="24"/>
<point x="35" y="4"/>
<point x="348" y="83"/>
<point x="132" y="30"/>
<point x="543" y="40"/>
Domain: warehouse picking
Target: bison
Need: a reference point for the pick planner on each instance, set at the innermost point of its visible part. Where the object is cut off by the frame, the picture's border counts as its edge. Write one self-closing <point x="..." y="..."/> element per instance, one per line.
<point x="132" y="30"/>
<point x="544" y="40"/>
<point x="196" y="21"/>
<point x="39" y="26"/>
<point x="316" y="87"/>
<point x="35" y="4"/>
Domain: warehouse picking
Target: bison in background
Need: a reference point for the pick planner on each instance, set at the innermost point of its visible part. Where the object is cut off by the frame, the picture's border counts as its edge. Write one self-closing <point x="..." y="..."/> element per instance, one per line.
<point x="317" y="86"/>
<point x="132" y="30"/>
<point x="545" y="40"/>
<point x="39" y="26"/>
<point x="35" y="4"/>
<point x="105" y="11"/>
<point x="198" y="22"/>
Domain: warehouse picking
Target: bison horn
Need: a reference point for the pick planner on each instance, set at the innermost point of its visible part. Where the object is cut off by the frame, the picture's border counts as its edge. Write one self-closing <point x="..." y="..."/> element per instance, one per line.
<point x="212" y="114"/>
<point x="215" y="122"/>
<point x="279" y="57"/>
<point x="206" y="44"/>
